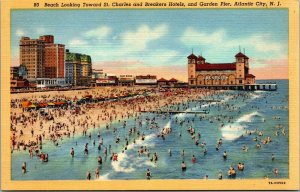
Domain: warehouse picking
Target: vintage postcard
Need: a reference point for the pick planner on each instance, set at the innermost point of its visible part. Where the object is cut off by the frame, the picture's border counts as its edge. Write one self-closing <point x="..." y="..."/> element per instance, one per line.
<point x="149" y="95"/>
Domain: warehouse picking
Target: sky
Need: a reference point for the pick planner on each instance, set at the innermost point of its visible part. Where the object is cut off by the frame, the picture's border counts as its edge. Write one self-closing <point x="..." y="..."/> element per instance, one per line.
<point x="142" y="42"/>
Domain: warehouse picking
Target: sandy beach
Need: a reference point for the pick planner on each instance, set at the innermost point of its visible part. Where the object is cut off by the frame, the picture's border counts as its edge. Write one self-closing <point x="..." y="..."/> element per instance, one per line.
<point x="30" y="128"/>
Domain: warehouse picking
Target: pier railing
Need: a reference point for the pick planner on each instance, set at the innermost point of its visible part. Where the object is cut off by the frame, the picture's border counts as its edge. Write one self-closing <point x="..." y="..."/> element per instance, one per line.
<point x="250" y="87"/>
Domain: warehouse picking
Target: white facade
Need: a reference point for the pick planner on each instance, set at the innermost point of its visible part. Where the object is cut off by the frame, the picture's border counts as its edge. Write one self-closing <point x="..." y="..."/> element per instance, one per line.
<point x="50" y="82"/>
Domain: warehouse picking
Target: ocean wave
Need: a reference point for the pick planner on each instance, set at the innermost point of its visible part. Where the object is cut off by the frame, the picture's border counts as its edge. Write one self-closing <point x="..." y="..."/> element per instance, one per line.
<point x="255" y="96"/>
<point x="247" y="117"/>
<point x="236" y="130"/>
<point x="125" y="163"/>
<point x="104" y="177"/>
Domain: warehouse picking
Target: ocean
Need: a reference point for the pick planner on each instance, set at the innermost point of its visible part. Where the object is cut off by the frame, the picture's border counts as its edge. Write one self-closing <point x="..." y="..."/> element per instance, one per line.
<point x="231" y="118"/>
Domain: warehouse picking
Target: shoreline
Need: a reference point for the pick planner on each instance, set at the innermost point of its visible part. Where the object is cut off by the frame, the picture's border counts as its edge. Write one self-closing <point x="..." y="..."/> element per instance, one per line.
<point x="92" y="116"/>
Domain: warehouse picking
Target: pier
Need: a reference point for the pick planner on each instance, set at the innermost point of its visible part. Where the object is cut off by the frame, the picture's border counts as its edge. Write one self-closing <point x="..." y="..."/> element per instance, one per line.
<point x="252" y="87"/>
<point x="175" y="112"/>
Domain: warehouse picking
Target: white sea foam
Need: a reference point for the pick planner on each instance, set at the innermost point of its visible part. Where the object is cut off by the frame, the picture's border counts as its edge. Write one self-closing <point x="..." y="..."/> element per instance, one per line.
<point x="247" y="117"/>
<point x="255" y="96"/>
<point x="125" y="163"/>
<point x="104" y="177"/>
<point x="235" y="130"/>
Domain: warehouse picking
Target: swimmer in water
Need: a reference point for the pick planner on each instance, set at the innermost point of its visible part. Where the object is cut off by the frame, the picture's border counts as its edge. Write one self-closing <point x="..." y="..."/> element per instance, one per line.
<point x="72" y="152"/>
<point x="100" y="160"/>
<point x="193" y="159"/>
<point x="183" y="166"/>
<point x="170" y="152"/>
<point x="88" y="175"/>
<point x="148" y="174"/>
<point x="220" y="176"/>
<point x="24" y="169"/>
<point x="225" y="155"/>
<point x="97" y="173"/>
<point x="276" y="172"/>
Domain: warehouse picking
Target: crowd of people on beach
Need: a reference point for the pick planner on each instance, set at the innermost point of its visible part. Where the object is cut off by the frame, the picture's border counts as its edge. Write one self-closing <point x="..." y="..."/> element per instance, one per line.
<point x="30" y="128"/>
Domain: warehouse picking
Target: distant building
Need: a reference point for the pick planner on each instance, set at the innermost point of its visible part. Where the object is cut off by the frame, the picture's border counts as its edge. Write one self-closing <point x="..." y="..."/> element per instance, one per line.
<point x="162" y="82"/>
<point x="107" y="81"/>
<point x="14" y="72"/>
<point x="86" y="69"/>
<point x="98" y="73"/>
<point x="22" y="72"/>
<point x="145" y="80"/>
<point x="202" y="73"/>
<point x="32" y="56"/>
<point x="167" y="83"/>
<point x="126" y="80"/>
<point x="42" y="59"/>
<point x="19" y="83"/>
<point x="49" y="82"/>
<point x="54" y="58"/>
<point x="78" y="69"/>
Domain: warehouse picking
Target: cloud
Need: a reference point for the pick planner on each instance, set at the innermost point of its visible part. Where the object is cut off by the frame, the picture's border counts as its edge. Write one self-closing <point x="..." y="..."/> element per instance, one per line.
<point x="142" y="36"/>
<point x="40" y="30"/>
<point x="219" y="39"/>
<point x="98" y="33"/>
<point x="132" y="44"/>
<point x="119" y="64"/>
<point x="77" y="42"/>
<point x="20" y="32"/>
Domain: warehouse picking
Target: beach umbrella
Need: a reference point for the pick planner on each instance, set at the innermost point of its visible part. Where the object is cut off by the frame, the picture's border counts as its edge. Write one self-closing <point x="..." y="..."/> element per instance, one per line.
<point x="32" y="106"/>
<point x="51" y="104"/>
<point x="43" y="104"/>
<point x="26" y="104"/>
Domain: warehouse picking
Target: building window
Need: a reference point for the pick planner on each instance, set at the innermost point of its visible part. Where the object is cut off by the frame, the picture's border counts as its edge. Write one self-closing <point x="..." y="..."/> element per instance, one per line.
<point x="192" y="82"/>
<point x="240" y="81"/>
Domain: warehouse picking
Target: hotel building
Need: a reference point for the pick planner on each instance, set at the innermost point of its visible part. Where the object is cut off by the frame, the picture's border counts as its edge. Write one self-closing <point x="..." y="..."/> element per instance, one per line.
<point x="202" y="73"/>
<point x="42" y="57"/>
<point x="32" y="56"/>
<point x="78" y="69"/>
<point x="54" y="58"/>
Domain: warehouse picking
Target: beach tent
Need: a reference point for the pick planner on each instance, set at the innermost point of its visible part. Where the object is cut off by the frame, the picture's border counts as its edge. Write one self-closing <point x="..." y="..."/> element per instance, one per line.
<point x="26" y="104"/>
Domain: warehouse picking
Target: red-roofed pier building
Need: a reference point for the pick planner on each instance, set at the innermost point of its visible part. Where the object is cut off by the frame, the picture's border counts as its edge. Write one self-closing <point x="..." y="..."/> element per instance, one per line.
<point x="202" y="73"/>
